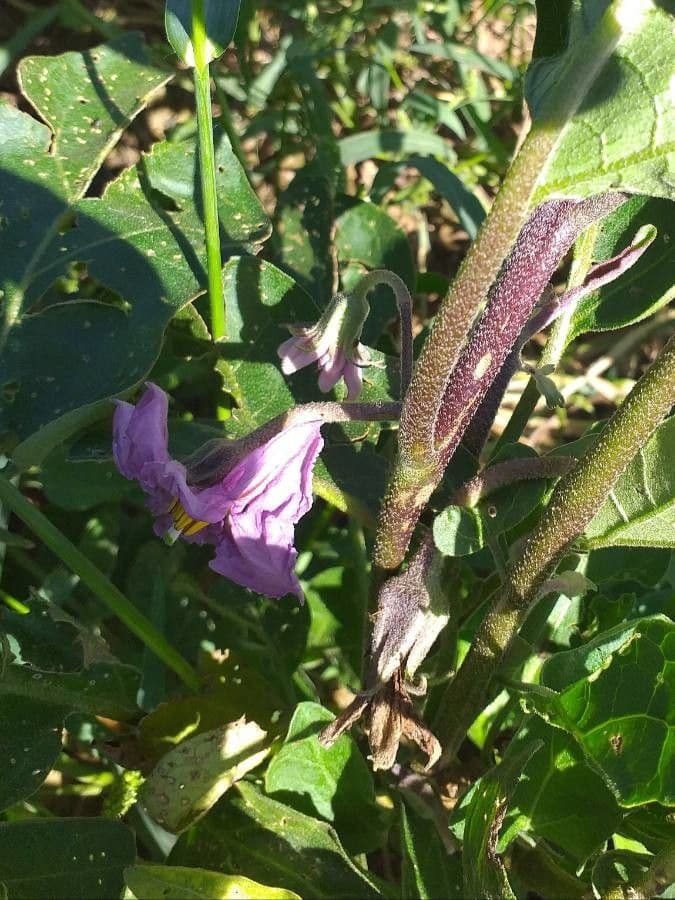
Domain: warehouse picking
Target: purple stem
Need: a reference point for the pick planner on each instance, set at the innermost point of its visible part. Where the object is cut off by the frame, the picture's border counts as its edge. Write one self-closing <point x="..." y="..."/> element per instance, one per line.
<point x="599" y="275"/>
<point x="541" y="245"/>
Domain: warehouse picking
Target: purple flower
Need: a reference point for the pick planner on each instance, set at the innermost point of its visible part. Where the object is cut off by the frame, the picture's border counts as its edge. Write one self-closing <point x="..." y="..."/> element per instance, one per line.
<point x="333" y="343"/>
<point x="248" y="514"/>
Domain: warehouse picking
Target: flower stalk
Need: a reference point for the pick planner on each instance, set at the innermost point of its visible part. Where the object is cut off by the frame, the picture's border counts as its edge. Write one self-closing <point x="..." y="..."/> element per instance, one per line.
<point x="576" y="499"/>
<point x="404" y="303"/>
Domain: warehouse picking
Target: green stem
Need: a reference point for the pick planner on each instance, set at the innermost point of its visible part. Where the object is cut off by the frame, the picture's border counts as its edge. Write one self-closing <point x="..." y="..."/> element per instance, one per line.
<point x="574" y="502"/>
<point x="207" y="172"/>
<point x="557" y="341"/>
<point x="96" y="581"/>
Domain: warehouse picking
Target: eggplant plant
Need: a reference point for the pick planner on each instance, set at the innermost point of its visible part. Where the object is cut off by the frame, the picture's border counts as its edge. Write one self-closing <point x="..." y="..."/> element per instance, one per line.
<point x="309" y="586"/>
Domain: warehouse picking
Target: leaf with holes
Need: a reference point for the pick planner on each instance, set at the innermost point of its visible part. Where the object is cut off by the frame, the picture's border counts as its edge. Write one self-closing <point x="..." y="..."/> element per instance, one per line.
<point x="614" y="696"/>
<point x="143" y="240"/>
<point x="29" y="744"/>
<point x="182" y="883"/>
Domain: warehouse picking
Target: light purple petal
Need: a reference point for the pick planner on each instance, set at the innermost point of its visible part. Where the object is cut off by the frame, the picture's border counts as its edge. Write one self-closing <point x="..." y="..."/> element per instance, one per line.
<point x="354" y="380"/>
<point x="139" y="432"/>
<point x="251" y="512"/>
<point x="332" y="371"/>
<point x="259" y="555"/>
<point x="274" y="487"/>
<point x="277" y="477"/>
<point x="140" y="441"/>
<point x="293" y="356"/>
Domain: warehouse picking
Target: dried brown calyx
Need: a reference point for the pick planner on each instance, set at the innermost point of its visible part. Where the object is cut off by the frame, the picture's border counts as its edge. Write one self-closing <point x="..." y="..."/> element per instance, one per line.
<point x="412" y="610"/>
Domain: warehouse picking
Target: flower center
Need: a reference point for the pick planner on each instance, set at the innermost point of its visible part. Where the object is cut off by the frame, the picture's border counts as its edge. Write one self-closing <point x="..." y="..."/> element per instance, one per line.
<point x="182" y="522"/>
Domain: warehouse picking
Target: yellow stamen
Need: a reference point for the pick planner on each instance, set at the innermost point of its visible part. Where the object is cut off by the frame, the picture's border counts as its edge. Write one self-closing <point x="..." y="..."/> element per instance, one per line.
<point x="183" y="523"/>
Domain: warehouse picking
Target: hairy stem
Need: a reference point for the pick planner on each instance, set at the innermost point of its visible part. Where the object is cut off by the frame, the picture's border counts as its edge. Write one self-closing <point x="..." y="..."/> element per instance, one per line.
<point x="574" y="502"/>
<point x="557" y="341"/>
<point x="417" y="466"/>
<point x="541" y="245"/>
<point x="502" y="474"/>
<point x="97" y="582"/>
<point x="207" y="172"/>
<point x="404" y="303"/>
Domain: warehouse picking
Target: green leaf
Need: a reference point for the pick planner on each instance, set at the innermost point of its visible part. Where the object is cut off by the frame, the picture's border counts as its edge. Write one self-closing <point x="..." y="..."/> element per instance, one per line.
<point x="193" y="776"/>
<point x="181" y="883"/>
<point x="220" y="23"/>
<point x="464" y="203"/>
<point x="651" y="826"/>
<point x="484" y="872"/>
<point x="465" y="56"/>
<point x="81" y="484"/>
<point x="613" y="695"/>
<point x="304" y="230"/>
<point x="620" y="869"/>
<point x="366" y="237"/>
<point x="82" y="859"/>
<point x="429" y="870"/>
<point x="640" y="511"/>
<point x="550" y="800"/>
<point x="30" y="742"/>
<point x="608" y="96"/>
<point x="460" y="531"/>
<point x="238" y="690"/>
<point x="87" y="98"/>
<point x="101" y="690"/>
<point x="335" y="784"/>
<point x="647" y="286"/>
<point x="274" y="844"/>
<point x="260" y="300"/>
<point x="63" y="360"/>
<point x="371" y="144"/>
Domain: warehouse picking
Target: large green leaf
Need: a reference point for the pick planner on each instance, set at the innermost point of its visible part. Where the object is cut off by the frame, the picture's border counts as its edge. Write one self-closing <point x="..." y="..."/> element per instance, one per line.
<point x="87" y="98"/>
<point x="550" y="800"/>
<point x="83" y="859"/>
<point x="182" y="883"/>
<point x="640" y="511"/>
<point x="335" y="784"/>
<point x="647" y="285"/>
<point x="367" y="238"/>
<point x="274" y="844"/>
<point x="143" y="241"/>
<point x="260" y="300"/>
<point x="614" y="696"/>
<point x="608" y="97"/>
<point x="30" y="741"/>
<point x="104" y="689"/>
